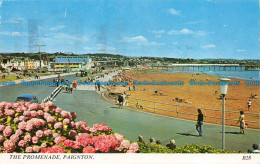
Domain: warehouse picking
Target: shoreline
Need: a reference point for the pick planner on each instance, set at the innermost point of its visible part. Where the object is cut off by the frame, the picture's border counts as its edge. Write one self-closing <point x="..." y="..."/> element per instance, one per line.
<point x="194" y="73"/>
<point x="200" y="96"/>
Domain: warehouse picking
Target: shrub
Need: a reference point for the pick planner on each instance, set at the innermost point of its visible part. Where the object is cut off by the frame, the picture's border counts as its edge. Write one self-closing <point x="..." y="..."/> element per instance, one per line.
<point x="192" y="148"/>
<point x="31" y="128"/>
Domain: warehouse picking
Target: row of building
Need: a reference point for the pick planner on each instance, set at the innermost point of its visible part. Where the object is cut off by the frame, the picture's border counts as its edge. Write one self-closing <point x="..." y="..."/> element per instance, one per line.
<point x="59" y="63"/>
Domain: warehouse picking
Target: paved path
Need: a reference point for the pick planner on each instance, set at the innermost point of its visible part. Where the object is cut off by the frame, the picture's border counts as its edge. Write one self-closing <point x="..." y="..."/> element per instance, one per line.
<point x="18" y="81"/>
<point x="92" y="108"/>
<point x="10" y="92"/>
<point x="106" y="78"/>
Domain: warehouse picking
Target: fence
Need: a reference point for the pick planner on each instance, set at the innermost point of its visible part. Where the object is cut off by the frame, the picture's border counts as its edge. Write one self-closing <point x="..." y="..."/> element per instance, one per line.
<point x="210" y="115"/>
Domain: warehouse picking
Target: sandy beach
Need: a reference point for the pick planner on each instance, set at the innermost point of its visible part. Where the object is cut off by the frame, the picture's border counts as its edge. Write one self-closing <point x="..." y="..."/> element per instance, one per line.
<point x="200" y="96"/>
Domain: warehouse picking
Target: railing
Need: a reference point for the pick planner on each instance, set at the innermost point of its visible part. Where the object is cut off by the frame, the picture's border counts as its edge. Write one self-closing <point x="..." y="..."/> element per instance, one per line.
<point x="178" y="110"/>
<point x="53" y="94"/>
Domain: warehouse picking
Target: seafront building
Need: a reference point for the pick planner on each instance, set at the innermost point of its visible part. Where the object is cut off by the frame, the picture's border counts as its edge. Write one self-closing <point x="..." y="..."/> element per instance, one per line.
<point x="71" y="62"/>
<point x="19" y="63"/>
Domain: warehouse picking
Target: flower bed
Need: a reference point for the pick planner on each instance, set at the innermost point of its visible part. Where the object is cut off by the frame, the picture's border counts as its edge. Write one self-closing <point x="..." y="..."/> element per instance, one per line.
<point x="44" y="128"/>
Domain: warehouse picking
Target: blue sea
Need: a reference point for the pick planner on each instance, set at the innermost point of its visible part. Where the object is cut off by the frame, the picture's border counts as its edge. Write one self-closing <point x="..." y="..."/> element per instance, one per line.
<point x="230" y="72"/>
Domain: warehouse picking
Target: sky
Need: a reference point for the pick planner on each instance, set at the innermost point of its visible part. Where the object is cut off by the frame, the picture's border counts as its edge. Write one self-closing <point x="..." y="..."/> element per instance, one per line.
<point x="159" y="28"/>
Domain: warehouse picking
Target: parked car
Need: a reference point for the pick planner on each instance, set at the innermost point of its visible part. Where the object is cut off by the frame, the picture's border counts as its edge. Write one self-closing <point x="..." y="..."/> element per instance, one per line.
<point x="27" y="98"/>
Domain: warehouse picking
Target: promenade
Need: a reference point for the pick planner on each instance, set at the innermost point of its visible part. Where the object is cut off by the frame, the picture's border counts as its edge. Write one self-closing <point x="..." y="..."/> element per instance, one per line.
<point x="106" y="78"/>
<point x="91" y="107"/>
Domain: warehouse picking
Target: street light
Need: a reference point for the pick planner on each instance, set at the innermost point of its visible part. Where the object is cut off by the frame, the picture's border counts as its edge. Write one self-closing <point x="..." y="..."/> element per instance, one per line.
<point x="40" y="45"/>
<point x="223" y="90"/>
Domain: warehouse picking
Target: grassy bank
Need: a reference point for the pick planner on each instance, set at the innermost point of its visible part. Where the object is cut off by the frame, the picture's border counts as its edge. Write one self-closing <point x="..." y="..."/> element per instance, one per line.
<point x="145" y="70"/>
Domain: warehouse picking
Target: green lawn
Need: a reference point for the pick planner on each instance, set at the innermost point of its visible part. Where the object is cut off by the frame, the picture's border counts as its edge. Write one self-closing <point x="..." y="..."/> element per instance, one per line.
<point x="145" y="70"/>
<point x="10" y="78"/>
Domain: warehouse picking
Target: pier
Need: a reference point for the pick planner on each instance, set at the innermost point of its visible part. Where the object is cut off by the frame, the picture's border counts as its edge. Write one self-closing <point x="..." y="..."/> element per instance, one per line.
<point x="209" y="67"/>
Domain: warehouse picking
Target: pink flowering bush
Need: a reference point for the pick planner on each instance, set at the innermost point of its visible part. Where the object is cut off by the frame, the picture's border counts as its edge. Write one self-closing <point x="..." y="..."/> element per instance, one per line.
<point x="44" y="128"/>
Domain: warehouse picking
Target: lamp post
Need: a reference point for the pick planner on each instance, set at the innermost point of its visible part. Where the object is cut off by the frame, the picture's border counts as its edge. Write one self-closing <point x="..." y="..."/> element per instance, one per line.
<point x="39" y="46"/>
<point x="223" y="90"/>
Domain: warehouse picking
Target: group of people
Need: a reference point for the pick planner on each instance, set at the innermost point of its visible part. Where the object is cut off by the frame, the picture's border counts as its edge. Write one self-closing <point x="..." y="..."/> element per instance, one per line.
<point x="170" y="145"/>
<point x="68" y="86"/>
<point x="253" y="96"/>
<point x="122" y="100"/>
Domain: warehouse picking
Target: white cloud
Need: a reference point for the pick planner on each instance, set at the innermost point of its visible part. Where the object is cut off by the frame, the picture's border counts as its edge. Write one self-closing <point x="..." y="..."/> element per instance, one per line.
<point x="63" y="38"/>
<point x="208" y="46"/>
<point x="186" y="31"/>
<point x="17" y="20"/>
<point x="241" y="50"/>
<point x="192" y="22"/>
<point x="159" y="32"/>
<point x="141" y="40"/>
<point x="1" y="3"/>
<point x="174" y="12"/>
<point x="136" y="39"/>
<point x="201" y="33"/>
<point x="183" y="31"/>
<point x="111" y="48"/>
<point x="69" y="37"/>
<point x="87" y="48"/>
<point x="16" y="34"/>
<point x="4" y="33"/>
<point x="104" y="47"/>
<point x="211" y="1"/>
<point x="156" y="44"/>
<point x="56" y="28"/>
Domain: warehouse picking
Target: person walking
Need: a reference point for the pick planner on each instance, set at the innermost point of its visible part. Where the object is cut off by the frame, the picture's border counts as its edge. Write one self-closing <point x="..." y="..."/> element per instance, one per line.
<point x="199" y="122"/>
<point x="124" y="99"/>
<point x="75" y="84"/>
<point x="242" y="122"/>
<point x="67" y="86"/>
<point x="120" y="101"/>
<point x="57" y="82"/>
<point x="249" y="103"/>
<point x="98" y="85"/>
<point x="71" y="88"/>
<point x="62" y="80"/>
